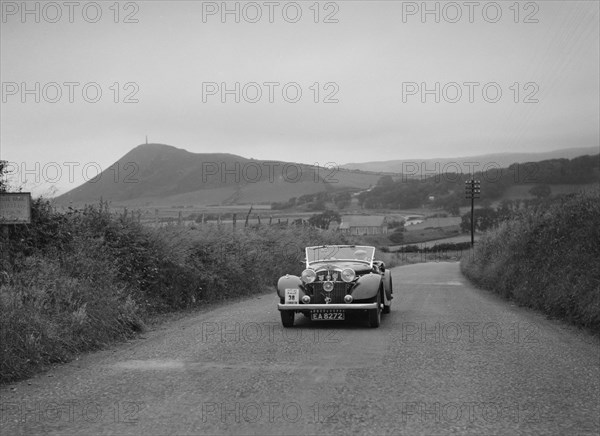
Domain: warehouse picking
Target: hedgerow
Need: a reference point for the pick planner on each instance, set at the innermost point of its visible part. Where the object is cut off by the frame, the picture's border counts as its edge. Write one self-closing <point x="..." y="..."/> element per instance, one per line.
<point x="546" y="258"/>
<point x="76" y="281"/>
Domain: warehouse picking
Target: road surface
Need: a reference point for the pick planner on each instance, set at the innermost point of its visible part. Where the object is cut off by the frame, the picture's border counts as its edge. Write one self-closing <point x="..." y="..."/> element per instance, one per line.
<point x="427" y="244"/>
<point x="448" y="359"/>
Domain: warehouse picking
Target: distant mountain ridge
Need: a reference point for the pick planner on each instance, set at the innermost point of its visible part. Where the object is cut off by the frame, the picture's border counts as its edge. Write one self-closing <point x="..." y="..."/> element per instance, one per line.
<point x="498" y="160"/>
<point x="163" y="175"/>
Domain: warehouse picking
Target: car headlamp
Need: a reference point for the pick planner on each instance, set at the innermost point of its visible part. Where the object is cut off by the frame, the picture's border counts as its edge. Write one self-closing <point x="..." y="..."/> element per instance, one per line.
<point x="308" y="276"/>
<point x="348" y="275"/>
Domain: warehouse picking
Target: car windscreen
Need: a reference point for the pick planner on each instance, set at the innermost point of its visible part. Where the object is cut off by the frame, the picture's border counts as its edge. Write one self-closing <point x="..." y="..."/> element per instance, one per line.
<point x="337" y="252"/>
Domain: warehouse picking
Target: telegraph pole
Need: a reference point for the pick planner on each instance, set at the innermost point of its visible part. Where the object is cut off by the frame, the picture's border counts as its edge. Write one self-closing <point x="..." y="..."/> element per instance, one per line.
<point x="472" y="191"/>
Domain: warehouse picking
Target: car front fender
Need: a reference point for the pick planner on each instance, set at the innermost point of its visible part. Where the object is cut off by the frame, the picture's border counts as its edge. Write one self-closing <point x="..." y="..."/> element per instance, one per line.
<point x="366" y="287"/>
<point x="289" y="282"/>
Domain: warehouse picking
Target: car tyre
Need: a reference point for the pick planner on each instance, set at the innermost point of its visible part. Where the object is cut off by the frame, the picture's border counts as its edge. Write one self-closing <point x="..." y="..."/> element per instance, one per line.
<point x="287" y="318"/>
<point x="388" y="309"/>
<point x="375" y="314"/>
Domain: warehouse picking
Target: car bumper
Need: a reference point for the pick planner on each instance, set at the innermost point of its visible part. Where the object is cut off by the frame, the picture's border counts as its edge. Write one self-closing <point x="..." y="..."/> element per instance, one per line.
<point x="342" y="306"/>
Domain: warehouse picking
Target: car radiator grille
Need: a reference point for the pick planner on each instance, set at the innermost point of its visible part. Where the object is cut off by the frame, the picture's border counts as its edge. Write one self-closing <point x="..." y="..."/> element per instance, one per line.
<point x="337" y="295"/>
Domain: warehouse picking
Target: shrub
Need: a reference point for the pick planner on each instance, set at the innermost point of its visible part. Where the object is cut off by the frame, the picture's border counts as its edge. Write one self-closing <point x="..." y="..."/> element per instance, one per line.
<point x="76" y="281"/>
<point x="397" y="236"/>
<point x="50" y="310"/>
<point x="546" y="258"/>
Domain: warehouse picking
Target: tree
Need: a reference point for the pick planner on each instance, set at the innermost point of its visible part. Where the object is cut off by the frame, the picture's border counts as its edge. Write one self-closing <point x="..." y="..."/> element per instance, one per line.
<point x="397" y="236"/>
<point x="323" y="220"/>
<point x="485" y="219"/>
<point x="319" y="204"/>
<point x="396" y="224"/>
<point x="4" y="176"/>
<point x="386" y="181"/>
<point x="506" y="209"/>
<point x="452" y="209"/>
<point x="540" y="191"/>
<point x="342" y="200"/>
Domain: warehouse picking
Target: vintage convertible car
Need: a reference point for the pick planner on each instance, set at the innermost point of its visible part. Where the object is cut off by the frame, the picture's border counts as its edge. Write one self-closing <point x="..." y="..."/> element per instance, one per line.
<point x="338" y="279"/>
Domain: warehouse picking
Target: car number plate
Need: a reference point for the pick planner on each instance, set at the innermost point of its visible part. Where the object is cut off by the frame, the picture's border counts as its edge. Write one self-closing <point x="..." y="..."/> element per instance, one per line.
<point x="291" y="296"/>
<point x="327" y="315"/>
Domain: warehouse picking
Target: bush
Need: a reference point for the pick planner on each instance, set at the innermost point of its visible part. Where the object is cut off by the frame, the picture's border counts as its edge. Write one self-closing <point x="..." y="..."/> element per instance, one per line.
<point x="397" y="236"/>
<point x="50" y="310"/>
<point x="76" y="281"/>
<point x="546" y="258"/>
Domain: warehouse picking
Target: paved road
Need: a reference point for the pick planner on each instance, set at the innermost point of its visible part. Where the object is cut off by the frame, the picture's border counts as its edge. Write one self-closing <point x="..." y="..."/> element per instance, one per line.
<point x="448" y="359"/>
<point x="452" y="239"/>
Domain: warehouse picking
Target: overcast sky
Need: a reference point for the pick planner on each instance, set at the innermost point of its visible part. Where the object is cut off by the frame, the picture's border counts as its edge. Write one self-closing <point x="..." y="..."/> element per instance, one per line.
<point x="371" y="62"/>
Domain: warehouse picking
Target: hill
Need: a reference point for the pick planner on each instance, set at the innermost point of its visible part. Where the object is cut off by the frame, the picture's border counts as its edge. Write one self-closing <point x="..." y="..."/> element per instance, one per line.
<point x="163" y="175"/>
<point x="159" y="175"/>
<point x="497" y="160"/>
<point x="447" y="191"/>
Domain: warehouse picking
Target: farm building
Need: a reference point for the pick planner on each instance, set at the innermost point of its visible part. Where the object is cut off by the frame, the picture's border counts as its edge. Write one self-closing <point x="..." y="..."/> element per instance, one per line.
<point x="363" y="225"/>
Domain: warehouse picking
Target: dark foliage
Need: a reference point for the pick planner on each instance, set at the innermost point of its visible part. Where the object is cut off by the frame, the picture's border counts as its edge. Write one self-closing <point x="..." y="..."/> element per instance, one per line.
<point x="75" y="281"/>
<point x="448" y="189"/>
<point x="546" y="257"/>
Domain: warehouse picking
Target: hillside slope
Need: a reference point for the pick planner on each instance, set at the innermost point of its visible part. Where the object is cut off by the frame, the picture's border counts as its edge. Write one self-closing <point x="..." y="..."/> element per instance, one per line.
<point x="159" y="174"/>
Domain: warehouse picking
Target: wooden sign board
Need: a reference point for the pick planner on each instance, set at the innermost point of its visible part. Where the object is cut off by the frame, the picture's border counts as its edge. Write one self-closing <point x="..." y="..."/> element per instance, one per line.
<point x="15" y="208"/>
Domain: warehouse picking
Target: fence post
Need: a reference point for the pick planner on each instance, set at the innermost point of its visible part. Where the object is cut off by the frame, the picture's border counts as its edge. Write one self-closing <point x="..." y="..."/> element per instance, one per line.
<point x="248" y="217"/>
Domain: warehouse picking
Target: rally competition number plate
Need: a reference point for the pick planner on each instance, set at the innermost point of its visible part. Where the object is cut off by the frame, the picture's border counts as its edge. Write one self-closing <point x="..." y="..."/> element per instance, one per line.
<point x="291" y="296"/>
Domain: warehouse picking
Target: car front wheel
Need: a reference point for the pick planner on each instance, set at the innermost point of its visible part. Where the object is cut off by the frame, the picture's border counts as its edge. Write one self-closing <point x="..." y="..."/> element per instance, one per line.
<point x="375" y="314"/>
<point x="287" y="318"/>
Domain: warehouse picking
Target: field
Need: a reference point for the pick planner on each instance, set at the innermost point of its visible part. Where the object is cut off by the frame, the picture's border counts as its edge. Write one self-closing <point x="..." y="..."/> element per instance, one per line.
<point x="432" y="229"/>
<point x="213" y="202"/>
<point x="435" y="223"/>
